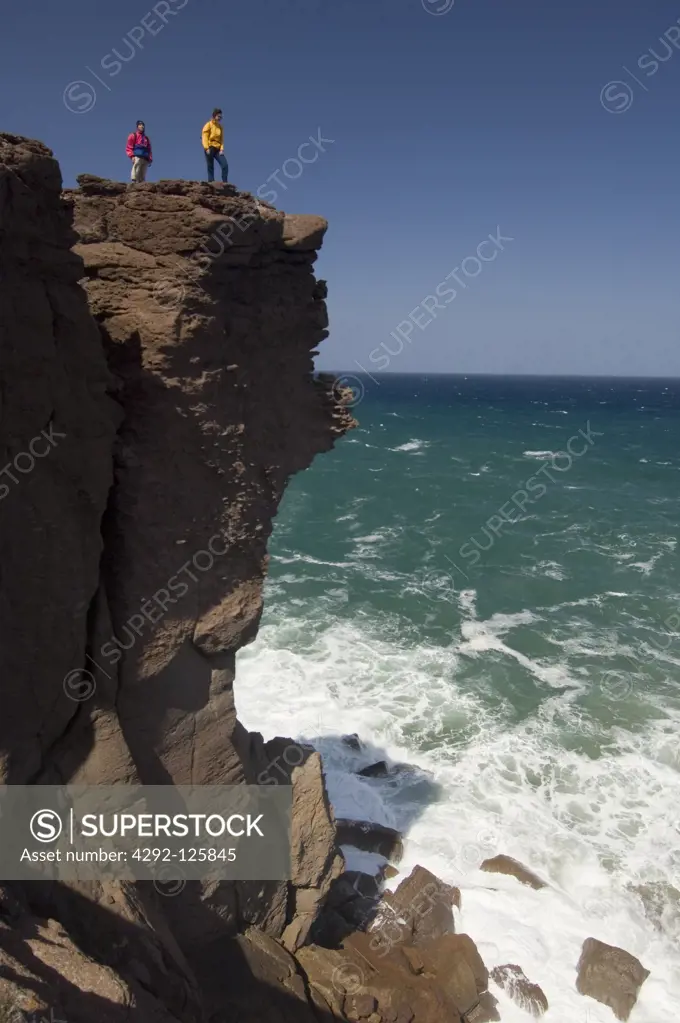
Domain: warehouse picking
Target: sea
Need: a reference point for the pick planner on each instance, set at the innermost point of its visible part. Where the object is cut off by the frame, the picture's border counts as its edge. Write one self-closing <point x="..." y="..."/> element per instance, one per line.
<point x="482" y="582"/>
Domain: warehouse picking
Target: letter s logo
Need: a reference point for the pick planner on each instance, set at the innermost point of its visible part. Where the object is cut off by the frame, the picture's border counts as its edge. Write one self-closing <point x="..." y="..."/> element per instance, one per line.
<point x="46" y="826"/>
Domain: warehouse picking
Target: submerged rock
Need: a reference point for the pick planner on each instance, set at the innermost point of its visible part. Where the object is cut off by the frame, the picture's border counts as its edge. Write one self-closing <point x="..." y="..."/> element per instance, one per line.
<point x="381" y="769"/>
<point x="370" y="837"/>
<point x="661" y="903"/>
<point x="611" y="976"/>
<point x="353" y="741"/>
<point x="517" y="985"/>
<point x="377" y="770"/>
<point x="507" y="865"/>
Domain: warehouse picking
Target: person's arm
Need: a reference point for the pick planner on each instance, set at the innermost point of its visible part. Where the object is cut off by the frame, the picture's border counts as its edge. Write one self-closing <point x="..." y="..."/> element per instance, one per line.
<point x="206" y="135"/>
<point x="130" y="144"/>
<point x="222" y="142"/>
<point x="150" y="156"/>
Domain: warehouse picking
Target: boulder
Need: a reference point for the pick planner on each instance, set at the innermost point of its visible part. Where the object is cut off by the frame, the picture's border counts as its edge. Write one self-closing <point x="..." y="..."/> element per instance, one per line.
<point x="661" y="903"/>
<point x="417" y="912"/>
<point x="360" y="1006"/>
<point x="303" y="231"/>
<point x="507" y="865"/>
<point x="455" y="963"/>
<point x="485" y="1011"/>
<point x="377" y="770"/>
<point x="517" y="985"/>
<point x="611" y="976"/>
<point x="447" y="949"/>
<point x="370" y="837"/>
<point x="396" y="985"/>
<point x="354" y="884"/>
<point x="353" y="742"/>
<point x="381" y="769"/>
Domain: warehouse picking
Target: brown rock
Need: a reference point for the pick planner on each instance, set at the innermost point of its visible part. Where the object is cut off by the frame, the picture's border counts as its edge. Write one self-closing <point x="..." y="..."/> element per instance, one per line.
<point x="53" y="382"/>
<point x="303" y="232"/>
<point x="315" y="862"/>
<point x="507" y="865"/>
<point x="186" y="281"/>
<point x="447" y="949"/>
<point x="485" y="1011"/>
<point x="402" y="996"/>
<point x="453" y="974"/>
<point x="251" y="977"/>
<point x="418" y="911"/>
<point x="516" y="984"/>
<point x="661" y="903"/>
<point x="414" y="958"/>
<point x="360" y="1006"/>
<point x="611" y="976"/>
<point x="314" y="855"/>
<point x="49" y="972"/>
<point x="197" y="291"/>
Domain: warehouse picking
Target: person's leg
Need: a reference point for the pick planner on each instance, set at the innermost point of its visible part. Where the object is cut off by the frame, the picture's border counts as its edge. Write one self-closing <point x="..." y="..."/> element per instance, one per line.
<point x="210" y="160"/>
<point x="133" y="169"/>
<point x="222" y="160"/>
<point x="138" y="169"/>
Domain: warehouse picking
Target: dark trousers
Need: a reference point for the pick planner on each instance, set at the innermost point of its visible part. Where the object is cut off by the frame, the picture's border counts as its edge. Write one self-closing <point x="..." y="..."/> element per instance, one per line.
<point x="211" y="155"/>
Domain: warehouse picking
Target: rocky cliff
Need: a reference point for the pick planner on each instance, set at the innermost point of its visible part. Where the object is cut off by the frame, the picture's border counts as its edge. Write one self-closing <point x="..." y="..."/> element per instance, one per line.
<point x="156" y="395"/>
<point x="148" y="429"/>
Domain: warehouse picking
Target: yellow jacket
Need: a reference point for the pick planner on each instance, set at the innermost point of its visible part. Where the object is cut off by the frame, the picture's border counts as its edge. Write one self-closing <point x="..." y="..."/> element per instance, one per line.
<point x="213" y="135"/>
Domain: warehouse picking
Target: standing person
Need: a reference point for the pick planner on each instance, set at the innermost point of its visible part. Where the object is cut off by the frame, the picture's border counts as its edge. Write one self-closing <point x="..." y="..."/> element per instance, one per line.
<point x="139" y="150"/>
<point x="213" y="145"/>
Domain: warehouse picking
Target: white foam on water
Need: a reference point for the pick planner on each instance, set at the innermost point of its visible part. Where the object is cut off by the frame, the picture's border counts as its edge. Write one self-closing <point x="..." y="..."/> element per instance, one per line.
<point x="467" y="601"/>
<point x="309" y="560"/>
<point x="549" y="569"/>
<point x="372" y="546"/>
<point x="412" y="445"/>
<point x="539" y="454"/>
<point x="591" y="827"/>
<point x="646" y="566"/>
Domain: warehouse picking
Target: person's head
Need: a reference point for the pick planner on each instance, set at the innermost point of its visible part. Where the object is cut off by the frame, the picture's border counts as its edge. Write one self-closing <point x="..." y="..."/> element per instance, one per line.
<point x="217" y="114"/>
<point x="141" y="127"/>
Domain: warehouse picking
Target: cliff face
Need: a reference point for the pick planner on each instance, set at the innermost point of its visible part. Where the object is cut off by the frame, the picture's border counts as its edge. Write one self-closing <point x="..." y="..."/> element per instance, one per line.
<point x="209" y="329"/>
<point x="57" y="427"/>
<point x="147" y="442"/>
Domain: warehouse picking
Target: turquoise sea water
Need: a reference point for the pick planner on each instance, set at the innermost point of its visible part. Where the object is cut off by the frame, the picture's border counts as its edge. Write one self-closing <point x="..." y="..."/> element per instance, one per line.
<point x="482" y="580"/>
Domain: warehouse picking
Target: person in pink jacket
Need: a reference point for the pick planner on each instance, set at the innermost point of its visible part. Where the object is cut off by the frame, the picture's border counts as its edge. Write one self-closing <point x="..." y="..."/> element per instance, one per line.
<point x="139" y="150"/>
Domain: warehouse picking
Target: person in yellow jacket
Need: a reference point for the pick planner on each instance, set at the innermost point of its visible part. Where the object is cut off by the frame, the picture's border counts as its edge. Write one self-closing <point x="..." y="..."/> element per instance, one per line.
<point x="213" y="145"/>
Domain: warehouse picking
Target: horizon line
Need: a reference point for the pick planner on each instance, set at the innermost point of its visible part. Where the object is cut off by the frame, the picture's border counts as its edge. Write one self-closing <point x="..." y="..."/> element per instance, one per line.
<point x="497" y="376"/>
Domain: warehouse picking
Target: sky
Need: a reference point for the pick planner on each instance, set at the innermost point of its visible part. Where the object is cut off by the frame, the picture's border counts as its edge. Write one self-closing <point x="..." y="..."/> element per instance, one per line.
<point x="439" y="124"/>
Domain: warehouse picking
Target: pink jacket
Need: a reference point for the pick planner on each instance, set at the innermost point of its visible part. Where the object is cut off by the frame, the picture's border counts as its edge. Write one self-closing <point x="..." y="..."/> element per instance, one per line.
<point x="139" y="142"/>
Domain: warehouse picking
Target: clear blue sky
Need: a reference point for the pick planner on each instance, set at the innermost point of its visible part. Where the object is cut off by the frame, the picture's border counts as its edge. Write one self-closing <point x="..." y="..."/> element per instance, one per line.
<point x="446" y="126"/>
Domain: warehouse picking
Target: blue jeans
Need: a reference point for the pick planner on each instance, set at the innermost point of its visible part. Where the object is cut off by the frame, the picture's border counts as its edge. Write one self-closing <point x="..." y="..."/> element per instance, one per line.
<point x="211" y="155"/>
